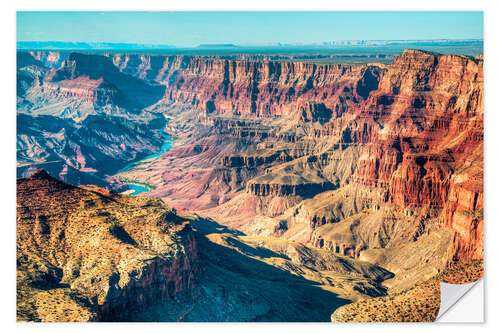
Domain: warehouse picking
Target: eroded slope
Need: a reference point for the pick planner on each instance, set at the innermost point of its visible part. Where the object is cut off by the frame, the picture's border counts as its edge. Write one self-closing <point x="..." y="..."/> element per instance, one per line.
<point x="88" y="254"/>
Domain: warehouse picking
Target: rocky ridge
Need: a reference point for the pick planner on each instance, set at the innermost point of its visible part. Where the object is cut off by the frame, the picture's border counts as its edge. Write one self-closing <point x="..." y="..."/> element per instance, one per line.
<point x="89" y="254"/>
<point x="73" y="114"/>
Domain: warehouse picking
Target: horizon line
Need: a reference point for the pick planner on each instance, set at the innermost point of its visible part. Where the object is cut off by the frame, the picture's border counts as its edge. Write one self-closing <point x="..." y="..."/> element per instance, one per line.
<point x="229" y="44"/>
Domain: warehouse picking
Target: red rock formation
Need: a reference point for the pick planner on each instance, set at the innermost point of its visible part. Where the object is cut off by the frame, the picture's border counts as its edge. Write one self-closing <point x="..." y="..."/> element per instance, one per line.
<point x="381" y="163"/>
<point x="281" y="190"/>
<point x="464" y="213"/>
<point x="413" y="134"/>
<point x="259" y="88"/>
<point x="84" y="89"/>
<point x="432" y="107"/>
<point x="412" y="121"/>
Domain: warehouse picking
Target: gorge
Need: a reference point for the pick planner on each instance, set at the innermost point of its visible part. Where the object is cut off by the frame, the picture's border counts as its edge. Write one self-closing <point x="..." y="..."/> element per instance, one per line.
<point x="313" y="185"/>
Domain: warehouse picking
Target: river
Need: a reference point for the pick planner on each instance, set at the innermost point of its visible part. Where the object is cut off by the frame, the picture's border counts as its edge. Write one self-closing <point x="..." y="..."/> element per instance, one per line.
<point x="138" y="188"/>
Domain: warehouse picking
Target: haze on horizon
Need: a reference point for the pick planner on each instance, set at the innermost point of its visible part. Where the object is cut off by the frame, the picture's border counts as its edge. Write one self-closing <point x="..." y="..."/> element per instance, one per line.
<point x="188" y="29"/>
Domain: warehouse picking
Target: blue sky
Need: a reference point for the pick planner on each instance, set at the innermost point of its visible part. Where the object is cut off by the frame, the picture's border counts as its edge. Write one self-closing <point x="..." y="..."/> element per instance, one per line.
<point x="244" y="28"/>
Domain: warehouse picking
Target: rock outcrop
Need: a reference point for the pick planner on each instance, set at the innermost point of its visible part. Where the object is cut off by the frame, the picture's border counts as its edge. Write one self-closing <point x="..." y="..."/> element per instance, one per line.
<point x="414" y="125"/>
<point x="95" y="77"/>
<point x="107" y="254"/>
<point x="88" y="254"/>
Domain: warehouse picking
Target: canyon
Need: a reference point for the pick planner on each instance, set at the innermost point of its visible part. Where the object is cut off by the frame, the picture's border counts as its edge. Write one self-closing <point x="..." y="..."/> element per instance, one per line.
<point x="314" y="185"/>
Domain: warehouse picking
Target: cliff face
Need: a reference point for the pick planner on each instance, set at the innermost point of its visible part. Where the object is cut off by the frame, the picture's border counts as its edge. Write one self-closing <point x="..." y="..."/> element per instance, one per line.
<point x="412" y="122"/>
<point x="256" y="88"/>
<point x="95" y="77"/>
<point x="433" y="112"/>
<point x="108" y="254"/>
<point x="280" y="189"/>
<point x="50" y="59"/>
<point x="463" y="210"/>
<point x="74" y="151"/>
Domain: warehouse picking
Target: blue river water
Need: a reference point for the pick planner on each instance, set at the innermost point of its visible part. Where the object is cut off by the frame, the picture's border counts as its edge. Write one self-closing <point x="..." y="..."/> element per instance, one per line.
<point x="137" y="189"/>
<point x="166" y="146"/>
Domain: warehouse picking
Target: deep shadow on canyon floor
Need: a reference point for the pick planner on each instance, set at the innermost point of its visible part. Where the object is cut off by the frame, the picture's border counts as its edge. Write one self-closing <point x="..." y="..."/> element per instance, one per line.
<point x="239" y="282"/>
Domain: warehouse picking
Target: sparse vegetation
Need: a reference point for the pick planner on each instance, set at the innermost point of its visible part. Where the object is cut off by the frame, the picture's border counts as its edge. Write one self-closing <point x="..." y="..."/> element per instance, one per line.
<point x="474" y="214"/>
<point x="417" y="304"/>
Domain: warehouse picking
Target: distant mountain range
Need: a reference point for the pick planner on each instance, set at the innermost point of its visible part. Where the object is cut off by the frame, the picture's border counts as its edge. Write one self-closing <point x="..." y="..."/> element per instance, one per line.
<point x="55" y="45"/>
<point x="216" y="45"/>
<point x="58" y="45"/>
<point x="397" y="42"/>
